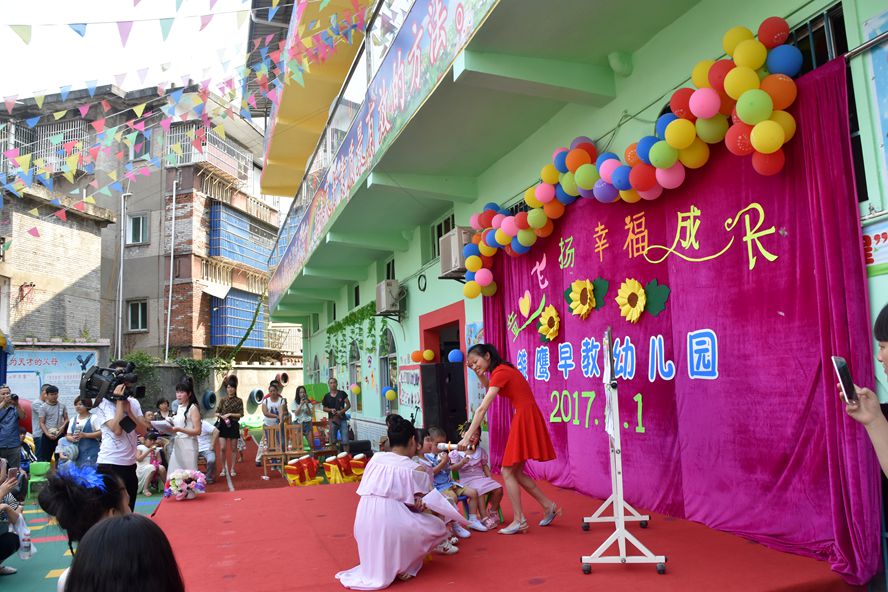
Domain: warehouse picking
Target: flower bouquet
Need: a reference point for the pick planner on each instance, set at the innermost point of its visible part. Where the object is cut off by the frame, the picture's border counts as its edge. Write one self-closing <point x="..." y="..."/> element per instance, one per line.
<point x="185" y="484"/>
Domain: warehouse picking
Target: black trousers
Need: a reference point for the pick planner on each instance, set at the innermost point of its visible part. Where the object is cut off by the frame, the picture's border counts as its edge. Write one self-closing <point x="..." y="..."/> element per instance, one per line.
<point x="127" y="474"/>
<point x="9" y="544"/>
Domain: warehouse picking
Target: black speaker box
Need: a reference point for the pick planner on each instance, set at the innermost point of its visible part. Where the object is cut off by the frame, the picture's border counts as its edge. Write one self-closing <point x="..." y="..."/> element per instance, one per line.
<point x="444" y="397"/>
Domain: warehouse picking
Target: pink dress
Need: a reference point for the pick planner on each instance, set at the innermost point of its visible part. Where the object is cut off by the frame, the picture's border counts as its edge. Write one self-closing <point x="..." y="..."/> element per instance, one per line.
<point x="472" y="473"/>
<point x="391" y="538"/>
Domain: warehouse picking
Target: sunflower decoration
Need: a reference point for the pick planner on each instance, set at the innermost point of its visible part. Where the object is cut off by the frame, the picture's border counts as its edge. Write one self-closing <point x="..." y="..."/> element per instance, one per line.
<point x="581" y="298"/>
<point x="632" y="299"/>
<point x="549" y="324"/>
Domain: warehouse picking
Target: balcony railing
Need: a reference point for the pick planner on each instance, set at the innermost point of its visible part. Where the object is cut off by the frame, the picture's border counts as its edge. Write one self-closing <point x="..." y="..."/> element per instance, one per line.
<point x="224" y="157"/>
<point x="285" y="340"/>
<point x="51" y="140"/>
<point x="15" y="135"/>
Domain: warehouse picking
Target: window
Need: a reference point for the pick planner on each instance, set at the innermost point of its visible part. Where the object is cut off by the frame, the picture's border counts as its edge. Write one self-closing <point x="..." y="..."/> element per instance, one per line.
<point x="388" y="370"/>
<point x="138" y="315"/>
<point x="354" y="376"/>
<point x="137" y="229"/>
<point x="390" y="269"/>
<point x="141" y="147"/>
<point x="439" y="229"/>
<point x="315" y="371"/>
<point x="331" y="365"/>
<point x="333" y="310"/>
<point x="357" y="296"/>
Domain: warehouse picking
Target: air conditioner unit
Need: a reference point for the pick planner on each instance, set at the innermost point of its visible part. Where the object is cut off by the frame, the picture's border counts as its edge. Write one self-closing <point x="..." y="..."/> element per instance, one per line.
<point x="387" y="300"/>
<point x="451" y="248"/>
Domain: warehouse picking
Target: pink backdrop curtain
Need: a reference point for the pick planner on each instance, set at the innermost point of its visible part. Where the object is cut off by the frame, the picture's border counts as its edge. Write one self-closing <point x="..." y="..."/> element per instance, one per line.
<point x="765" y="451"/>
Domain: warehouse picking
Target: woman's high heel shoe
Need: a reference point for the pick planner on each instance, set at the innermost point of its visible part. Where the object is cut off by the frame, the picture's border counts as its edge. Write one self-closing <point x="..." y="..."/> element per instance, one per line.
<point x="551" y="514"/>
<point x="514" y="528"/>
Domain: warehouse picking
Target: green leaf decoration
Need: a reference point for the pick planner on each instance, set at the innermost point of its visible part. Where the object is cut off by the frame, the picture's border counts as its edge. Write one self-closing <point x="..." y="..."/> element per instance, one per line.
<point x="657" y="295"/>
<point x="599" y="290"/>
<point x="567" y="295"/>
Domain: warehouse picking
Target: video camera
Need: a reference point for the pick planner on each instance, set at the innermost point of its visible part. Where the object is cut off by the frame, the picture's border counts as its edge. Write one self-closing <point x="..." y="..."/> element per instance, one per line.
<point x="99" y="383"/>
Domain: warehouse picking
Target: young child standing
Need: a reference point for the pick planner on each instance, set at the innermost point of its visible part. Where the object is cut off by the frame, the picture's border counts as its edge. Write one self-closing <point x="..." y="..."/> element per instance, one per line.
<point x="474" y="471"/>
<point x="440" y="465"/>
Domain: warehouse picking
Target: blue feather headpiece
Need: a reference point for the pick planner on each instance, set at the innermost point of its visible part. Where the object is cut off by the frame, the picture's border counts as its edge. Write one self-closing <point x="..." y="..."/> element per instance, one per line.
<point x="85" y="476"/>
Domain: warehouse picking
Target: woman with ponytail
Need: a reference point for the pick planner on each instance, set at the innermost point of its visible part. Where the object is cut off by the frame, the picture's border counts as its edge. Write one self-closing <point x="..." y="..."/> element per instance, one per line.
<point x="186" y="427"/>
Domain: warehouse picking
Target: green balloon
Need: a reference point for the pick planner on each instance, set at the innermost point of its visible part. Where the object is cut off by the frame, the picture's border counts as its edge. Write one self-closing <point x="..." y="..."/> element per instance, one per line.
<point x="754" y="106"/>
<point x="527" y="237"/>
<point x="712" y="130"/>
<point x="537" y="218"/>
<point x="662" y="155"/>
<point x="586" y="176"/>
<point x="569" y="185"/>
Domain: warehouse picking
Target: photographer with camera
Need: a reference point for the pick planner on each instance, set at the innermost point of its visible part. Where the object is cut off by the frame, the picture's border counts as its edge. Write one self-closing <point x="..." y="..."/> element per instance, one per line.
<point x="10" y="414"/>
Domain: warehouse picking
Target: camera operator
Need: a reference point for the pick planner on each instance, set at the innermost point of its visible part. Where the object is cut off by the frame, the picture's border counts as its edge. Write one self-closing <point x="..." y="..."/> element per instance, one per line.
<point x="10" y="414"/>
<point x="121" y="423"/>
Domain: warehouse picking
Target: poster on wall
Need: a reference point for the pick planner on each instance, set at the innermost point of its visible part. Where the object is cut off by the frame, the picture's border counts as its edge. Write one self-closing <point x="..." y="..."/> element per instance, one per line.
<point x="474" y="389"/>
<point x="878" y="58"/>
<point x="875" y="248"/>
<point x="28" y="370"/>
<point x="408" y="388"/>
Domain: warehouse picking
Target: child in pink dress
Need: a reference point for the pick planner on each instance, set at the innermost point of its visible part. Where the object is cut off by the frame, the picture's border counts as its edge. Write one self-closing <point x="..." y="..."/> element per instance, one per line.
<point x="474" y="471"/>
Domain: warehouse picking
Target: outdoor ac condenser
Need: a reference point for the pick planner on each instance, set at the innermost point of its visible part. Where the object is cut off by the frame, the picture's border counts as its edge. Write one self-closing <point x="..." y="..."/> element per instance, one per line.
<point x="387" y="293"/>
<point x="451" y="248"/>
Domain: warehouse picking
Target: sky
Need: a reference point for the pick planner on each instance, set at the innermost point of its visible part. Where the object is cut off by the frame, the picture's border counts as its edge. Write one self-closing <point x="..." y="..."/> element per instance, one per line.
<point x="57" y="55"/>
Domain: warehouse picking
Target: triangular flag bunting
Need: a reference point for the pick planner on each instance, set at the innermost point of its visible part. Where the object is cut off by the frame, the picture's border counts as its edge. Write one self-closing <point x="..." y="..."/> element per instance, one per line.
<point x="23" y="31"/>
<point x="10" y="103"/>
<point x="32" y="121"/>
<point x="241" y="18"/>
<point x="271" y="12"/>
<point x="212" y="4"/>
<point x="178" y="5"/>
<point x="205" y="20"/>
<point x="34" y="232"/>
<point x="56" y="139"/>
<point x="112" y="175"/>
<point x="220" y="131"/>
<point x="39" y="100"/>
<point x="124" y="28"/>
<point x="91" y="87"/>
<point x="165" y="123"/>
<point x="142" y="74"/>
<point x="59" y="114"/>
<point x="177" y="148"/>
<point x="61" y="215"/>
<point x="90" y="199"/>
<point x="165" y="26"/>
<point x="34" y="212"/>
<point x="79" y="206"/>
<point x="63" y="91"/>
<point x="79" y="28"/>
<point x="24" y="161"/>
<point x="56" y="202"/>
<point x="84" y="109"/>
<point x="119" y="78"/>
<point x="6" y="245"/>
<point x="99" y="125"/>
<point x="12" y="153"/>
<point x="106" y="106"/>
<point x="139" y="109"/>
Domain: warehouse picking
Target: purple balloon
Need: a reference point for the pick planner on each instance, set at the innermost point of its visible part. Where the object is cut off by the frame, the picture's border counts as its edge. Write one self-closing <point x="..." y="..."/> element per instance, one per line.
<point x="605" y="192"/>
<point x="581" y="140"/>
<point x="586" y="193"/>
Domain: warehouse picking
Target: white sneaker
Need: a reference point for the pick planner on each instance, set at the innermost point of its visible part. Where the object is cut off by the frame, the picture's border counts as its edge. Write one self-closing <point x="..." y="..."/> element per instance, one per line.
<point x="475" y="525"/>
<point x="233" y="473"/>
<point x="446" y="548"/>
<point x="223" y="474"/>
<point x="461" y="532"/>
<point x="454" y="540"/>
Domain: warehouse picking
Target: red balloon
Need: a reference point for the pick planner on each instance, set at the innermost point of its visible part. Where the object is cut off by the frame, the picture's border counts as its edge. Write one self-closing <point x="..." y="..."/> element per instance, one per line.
<point x="521" y="221"/>
<point x="547" y="229"/>
<point x="486" y="262"/>
<point x="679" y="103"/>
<point x="717" y="74"/>
<point x="737" y="140"/>
<point x="485" y="218"/>
<point x="768" y="164"/>
<point x="589" y="148"/>
<point x="510" y="251"/>
<point x="643" y="177"/>
<point x="773" y="31"/>
<point x="727" y="104"/>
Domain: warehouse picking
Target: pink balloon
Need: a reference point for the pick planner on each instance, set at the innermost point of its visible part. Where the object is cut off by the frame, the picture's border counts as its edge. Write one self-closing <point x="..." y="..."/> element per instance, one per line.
<point x="651" y="194"/>
<point x="672" y="177"/>
<point x="497" y="220"/>
<point x="544" y="193"/>
<point x="557" y="152"/>
<point x="509" y="227"/>
<point x="705" y="103"/>
<point x="483" y="276"/>
<point x="607" y="168"/>
<point x="474" y="223"/>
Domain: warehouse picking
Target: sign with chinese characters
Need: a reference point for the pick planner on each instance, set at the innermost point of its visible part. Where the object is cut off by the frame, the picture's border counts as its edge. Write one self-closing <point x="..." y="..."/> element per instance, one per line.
<point x="432" y="35"/>
<point x="28" y="370"/>
<point x="875" y="248"/>
<point x="408" y="389"/>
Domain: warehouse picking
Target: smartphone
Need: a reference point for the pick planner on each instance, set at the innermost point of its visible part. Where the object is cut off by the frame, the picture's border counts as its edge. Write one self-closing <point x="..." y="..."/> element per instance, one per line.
<point x="13" y="472"/>
<point x="845" y="381"/>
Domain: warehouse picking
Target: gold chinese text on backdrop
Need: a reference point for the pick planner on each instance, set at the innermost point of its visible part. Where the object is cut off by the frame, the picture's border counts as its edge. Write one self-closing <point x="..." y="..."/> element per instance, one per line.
<point x="753" y="217"/>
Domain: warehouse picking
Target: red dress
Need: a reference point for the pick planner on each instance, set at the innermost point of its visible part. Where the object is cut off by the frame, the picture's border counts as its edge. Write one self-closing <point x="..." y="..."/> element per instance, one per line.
<point x="528" y="436"/>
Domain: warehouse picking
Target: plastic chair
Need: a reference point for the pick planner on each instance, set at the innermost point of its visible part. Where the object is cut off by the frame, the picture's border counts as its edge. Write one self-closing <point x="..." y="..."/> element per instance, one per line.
<point x="37" y="474"/>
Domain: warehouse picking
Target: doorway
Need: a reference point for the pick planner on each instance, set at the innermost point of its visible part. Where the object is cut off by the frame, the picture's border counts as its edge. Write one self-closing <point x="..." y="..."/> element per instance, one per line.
<point x="443" y="384"/>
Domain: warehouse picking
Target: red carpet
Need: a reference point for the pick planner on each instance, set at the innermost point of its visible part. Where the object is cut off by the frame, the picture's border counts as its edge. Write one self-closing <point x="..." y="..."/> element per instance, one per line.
<point x="297" y="538"/>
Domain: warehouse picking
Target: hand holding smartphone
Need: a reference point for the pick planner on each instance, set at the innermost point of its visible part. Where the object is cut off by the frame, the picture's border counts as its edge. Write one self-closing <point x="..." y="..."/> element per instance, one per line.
<point x="849" y="393"/>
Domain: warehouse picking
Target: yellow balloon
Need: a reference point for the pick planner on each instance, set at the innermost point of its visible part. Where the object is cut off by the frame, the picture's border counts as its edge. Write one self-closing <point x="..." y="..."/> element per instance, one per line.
<point x="549" y="174"/>
<point x="787" y="122"/>
<point x="695" y="155"/>
<point x="488" y="290"/>
<point x="700" y="74"/>
<point x="767" y="136"/>
<point x="486" y="250"/>
<point x="471" y="289"/>
<point x="530" y="198"/>
<point x="473" y="263"/>
<point x="750" y="54"/>
<point x="712" y="130"/>
<point x="629" y="195"/>
<point x="390" y="395"/>
<point x="501" y="237"/>
<point x="428" y="355"/>
<point x="680" y="133"/>
<point x="739" y="80"/>
<point x="733" y="37"/>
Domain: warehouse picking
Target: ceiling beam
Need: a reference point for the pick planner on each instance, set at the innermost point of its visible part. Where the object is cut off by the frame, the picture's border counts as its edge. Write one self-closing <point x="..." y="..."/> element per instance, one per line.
<point x="453" y="189"/>
<point x="312" y="294"/>
<point x="389" y="241"/>
<point x="296" y="310"/>
<point x="342" y="274"/>
<point x="568" y="82"/>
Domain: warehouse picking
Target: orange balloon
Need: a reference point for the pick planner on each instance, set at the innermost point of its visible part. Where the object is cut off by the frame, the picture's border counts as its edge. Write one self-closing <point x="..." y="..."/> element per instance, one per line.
<point x="416" y="356"/>
<point x="727" y="104"/>
<point x="577" y="158"/>
<point x="476" y="238"/>
<point x="631" y="157"/>
<point x="554" y="209"/>
<point x="547" y="229"/>
<point x="781" y="89"/>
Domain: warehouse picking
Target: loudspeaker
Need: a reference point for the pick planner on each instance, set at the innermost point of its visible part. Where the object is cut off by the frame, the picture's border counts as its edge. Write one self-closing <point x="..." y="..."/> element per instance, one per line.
<point x="444" y="397"/>
<point x="360" y="447"/>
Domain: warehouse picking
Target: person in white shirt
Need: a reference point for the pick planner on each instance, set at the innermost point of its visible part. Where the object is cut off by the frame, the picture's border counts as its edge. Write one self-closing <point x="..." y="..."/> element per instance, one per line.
<point x="121" y="423"/>
<point x="206" y="447"/>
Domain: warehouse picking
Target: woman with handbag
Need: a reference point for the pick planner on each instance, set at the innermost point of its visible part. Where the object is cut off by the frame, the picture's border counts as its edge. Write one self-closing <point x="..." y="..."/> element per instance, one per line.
<point x="82" y="434"/>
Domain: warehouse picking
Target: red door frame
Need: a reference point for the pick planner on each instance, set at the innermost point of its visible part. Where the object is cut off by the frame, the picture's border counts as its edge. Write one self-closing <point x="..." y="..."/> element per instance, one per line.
<point x="428" y="334"/>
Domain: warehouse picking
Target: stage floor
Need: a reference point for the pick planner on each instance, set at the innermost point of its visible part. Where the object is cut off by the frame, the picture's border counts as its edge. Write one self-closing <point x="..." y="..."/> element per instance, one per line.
<point x="298" y="538"/>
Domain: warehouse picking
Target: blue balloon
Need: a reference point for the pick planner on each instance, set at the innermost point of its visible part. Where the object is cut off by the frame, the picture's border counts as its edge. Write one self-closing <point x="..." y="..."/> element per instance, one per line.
<point x="605" y="192"/>
<point x="470" y="276"/>
<point x="491" y="240"/>
<point x="455" y="356"/>
<point x="620" y="178"/>
<point x="643" y="149"/>
<point x="491" y="206"/>
<point x="662" y="122"/>
<point x="784" y="59"/>
<point x="563" y="197"/>
<point x="604" y="156"/>
<point x="518" y="247"/>
<point x="561" y="162"/>
<point x="471" y="249"/>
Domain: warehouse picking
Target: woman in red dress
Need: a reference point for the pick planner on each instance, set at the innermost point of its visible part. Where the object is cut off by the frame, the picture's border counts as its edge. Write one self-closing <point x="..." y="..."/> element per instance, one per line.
<point x="528" y="436"/>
